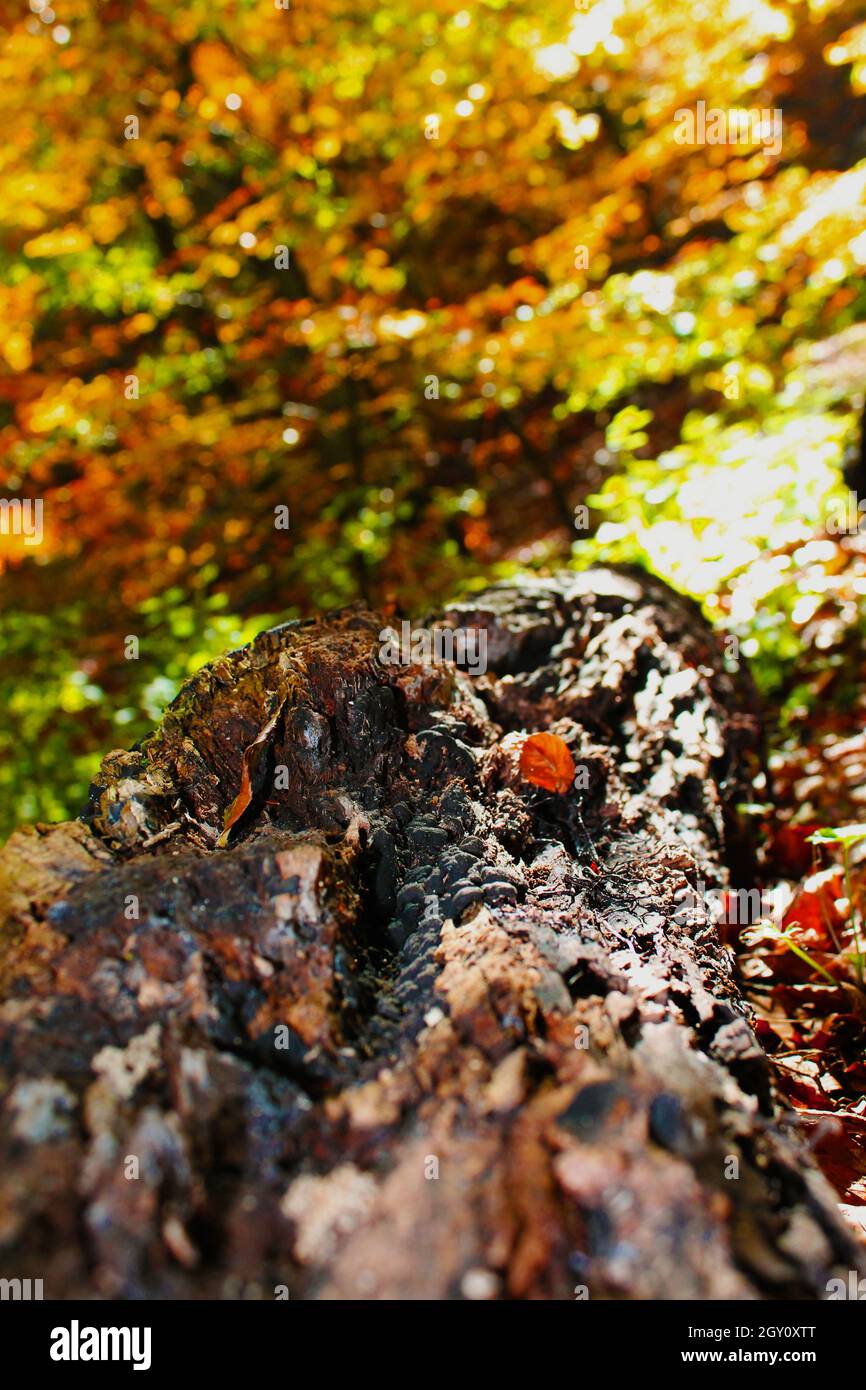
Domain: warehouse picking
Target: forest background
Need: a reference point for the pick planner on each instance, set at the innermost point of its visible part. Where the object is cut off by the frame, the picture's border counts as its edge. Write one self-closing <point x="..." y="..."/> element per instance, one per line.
<point x="314" y="304"/>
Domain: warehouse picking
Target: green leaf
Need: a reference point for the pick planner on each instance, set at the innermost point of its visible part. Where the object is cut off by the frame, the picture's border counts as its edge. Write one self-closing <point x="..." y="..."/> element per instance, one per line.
<point x="841" y="835"/>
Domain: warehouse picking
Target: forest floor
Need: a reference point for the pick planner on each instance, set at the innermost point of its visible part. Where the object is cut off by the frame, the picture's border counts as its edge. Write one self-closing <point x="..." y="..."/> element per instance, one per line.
<point x="802" y="971"/>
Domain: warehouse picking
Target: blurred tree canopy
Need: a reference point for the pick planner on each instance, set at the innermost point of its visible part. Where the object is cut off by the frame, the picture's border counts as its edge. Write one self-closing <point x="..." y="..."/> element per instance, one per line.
<point x="430" y="277"/>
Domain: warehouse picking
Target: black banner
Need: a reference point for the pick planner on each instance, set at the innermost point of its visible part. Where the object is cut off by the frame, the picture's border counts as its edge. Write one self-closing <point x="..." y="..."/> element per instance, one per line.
<point x="226" y="1339"/>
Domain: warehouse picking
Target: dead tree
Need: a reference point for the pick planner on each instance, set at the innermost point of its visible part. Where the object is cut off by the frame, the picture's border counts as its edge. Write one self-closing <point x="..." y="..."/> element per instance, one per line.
<point x="414" y="1029"/>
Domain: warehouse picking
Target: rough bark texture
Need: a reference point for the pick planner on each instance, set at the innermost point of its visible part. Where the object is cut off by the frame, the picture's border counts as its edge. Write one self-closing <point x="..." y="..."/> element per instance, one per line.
<point x="402" y="1038"/>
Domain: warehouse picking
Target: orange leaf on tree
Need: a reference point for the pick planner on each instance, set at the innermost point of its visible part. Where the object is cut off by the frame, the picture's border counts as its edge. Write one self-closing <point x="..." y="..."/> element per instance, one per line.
<point x="546" y="761"/>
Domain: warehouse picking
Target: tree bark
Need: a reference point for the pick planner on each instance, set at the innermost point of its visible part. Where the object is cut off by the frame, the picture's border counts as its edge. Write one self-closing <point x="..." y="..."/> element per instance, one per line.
<point x="417" y="1029"/>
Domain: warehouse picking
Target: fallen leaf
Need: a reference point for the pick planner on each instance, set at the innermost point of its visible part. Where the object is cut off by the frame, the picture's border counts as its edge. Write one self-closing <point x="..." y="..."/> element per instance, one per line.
<point x="546" y="761"/>
<point x="838" y="1141"/>
<point x="251" y="762"/>
<point x="791" y="849"/>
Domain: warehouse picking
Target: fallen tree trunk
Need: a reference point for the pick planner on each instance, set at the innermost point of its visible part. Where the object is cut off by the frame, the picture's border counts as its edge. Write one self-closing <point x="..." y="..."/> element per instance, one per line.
<point x="415" y="1030"/>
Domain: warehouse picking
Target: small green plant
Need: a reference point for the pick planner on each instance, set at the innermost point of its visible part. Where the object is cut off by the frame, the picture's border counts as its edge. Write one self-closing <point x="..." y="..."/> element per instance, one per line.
<point x="784" y="935"/>
<point x="847" y="836"/>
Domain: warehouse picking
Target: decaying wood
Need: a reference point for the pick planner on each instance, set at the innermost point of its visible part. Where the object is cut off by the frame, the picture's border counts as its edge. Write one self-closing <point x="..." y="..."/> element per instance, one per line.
<point x="417" y="1030"/>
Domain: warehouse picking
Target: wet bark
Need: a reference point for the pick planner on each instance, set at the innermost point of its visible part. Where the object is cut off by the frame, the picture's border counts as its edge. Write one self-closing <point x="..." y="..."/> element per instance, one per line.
<point x="418" y="1030"/>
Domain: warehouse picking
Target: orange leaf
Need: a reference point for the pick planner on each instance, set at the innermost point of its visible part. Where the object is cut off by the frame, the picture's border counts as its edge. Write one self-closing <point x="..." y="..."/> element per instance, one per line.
<point x="546" y="762"/>
<point x="251" y="762"/>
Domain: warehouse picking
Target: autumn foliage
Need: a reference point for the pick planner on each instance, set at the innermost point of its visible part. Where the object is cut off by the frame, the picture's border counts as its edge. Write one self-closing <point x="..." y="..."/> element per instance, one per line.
<point x="426" y="276"/>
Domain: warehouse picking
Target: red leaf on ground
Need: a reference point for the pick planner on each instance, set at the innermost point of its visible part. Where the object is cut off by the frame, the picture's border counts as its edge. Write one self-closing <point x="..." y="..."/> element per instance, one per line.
<point x="813" y="909"/>
<point x="855" y="1076"/>
<point x="791" y="849"/>
<point x="767" y="1036"/>
<point x="546" y="761"/>
<point x="801" y="1090"/>
<point x="838" y="1140"/>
